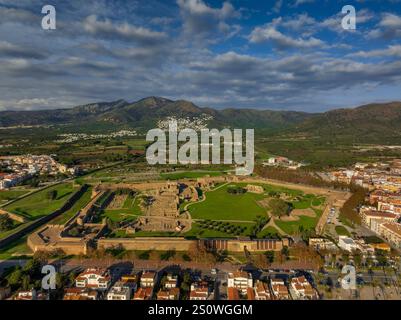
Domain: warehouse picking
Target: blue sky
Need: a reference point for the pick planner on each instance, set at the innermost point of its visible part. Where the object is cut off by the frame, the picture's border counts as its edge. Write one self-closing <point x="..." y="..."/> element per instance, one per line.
<point x="271" y="54"/>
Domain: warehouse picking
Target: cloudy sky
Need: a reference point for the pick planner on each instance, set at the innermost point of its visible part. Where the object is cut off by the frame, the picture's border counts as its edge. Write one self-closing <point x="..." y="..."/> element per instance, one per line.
<point x="275" y="54"/>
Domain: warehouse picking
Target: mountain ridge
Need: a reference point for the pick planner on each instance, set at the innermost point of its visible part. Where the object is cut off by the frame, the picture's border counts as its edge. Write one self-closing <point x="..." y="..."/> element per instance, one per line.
<point x="366" y="120"/>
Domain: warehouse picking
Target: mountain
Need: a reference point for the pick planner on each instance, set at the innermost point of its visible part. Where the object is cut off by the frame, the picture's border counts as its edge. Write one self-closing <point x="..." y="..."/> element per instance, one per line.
<point x="372" y="122"/>
<point x="146" y="112"/>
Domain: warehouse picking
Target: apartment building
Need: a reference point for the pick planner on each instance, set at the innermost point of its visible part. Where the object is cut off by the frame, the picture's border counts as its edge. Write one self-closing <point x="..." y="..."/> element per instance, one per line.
<point x="240" y="280"/>
<point x="148" y="279"/>
<point x="120" y="291"/>
<point x="392" y="233"/>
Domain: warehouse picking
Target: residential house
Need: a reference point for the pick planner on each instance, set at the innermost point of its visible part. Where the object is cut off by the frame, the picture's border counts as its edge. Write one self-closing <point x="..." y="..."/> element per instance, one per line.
<point x="262" y="291"/>
<point x="143" y="293"/>
<point x="302" y="289"/>
<point x="200" y="291"/>
<point x="94" y="278"/>
<point x="80" y="294"/>
<point x="120" y="291"/>
<point x="169" y="294"/>
<point x="148" y="279"/>
<point x="279" y="289"/>
<point x="233" y="293"/>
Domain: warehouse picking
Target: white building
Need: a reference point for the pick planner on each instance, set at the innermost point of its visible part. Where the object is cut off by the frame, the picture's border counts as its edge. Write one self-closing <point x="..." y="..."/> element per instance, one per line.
<point x="148" y="279"/>
<point x="94" y="278"/>
<point x="240" y="280"/>
<point x="347" y="243"/>
<point x="302" y="289"/>
<point x="200" y="291"/>
<point x="120" y="291"/>
<point x="171" y="281"/>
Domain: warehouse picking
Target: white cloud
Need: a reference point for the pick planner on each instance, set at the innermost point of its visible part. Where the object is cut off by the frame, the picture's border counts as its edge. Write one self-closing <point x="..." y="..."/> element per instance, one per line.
<point x="389" y="27"/>
<point x="391" y="51"/>
<point x="269" y="33"/>
<point x="107" y="29"/>
<point x="200" y="20"/>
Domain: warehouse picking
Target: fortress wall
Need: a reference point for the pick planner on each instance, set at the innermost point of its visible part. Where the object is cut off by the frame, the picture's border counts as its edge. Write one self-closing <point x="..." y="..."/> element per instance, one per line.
<point x="14" y="216"/>
<point x="162" y="244"/>
<point x="30" y="226"/>
<point x="182" y="244"/>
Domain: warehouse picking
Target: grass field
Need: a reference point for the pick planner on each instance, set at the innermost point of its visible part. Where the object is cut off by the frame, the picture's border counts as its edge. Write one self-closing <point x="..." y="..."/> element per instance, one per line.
<point x="342" y="231"/>
<point x="221" y="205"/>
<point x="15" y="250"/>
<point x="7" y="195"/>
<point x="200" y="232"/>
<point x="268" y="232"/>
<point x="130" y="210"/>
<point x="190" y="174"/>
<point x="123" y="234"/>
<point x="82" y="202"/>
<point x="292" y="227"/>
<point x="38" y="204"/>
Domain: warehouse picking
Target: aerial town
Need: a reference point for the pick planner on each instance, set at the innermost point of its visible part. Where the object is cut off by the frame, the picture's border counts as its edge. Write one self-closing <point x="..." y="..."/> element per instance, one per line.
<point x="184" y="239"/>
<point x="16" y="169"/>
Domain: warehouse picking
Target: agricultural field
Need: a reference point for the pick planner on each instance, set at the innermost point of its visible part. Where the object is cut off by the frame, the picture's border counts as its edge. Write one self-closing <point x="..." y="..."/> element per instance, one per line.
<point x="43" y="202"/>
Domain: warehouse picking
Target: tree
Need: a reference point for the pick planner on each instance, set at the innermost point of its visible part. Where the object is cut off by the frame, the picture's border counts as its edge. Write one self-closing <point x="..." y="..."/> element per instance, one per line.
<point x="285" y="252"/>
<point x="14" y="279"/>
<point x="6" y="223"/>
<point x="32" y="267"/>
<point x="279" y="207"/>
<point x="269" y="256"/>
<point x="52" y="195"/>
<point x="26" y="282"/>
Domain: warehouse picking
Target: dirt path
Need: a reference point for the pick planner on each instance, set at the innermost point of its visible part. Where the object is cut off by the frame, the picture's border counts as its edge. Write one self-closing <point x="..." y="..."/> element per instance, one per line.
<point x="271" y="223"/>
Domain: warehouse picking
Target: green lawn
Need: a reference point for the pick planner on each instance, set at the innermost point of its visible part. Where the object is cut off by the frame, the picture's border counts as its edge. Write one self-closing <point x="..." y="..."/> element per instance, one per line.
<point x="190" y="174"/>
<point x="200" y="232"/>
<point x="15" y="250"/>
<point x="38" y="204"/>
<point x="308" y="223"/>
<point x="268" y="232"/>
<point x="130" y="211"/>
<point x="8" y="232"/>
<point x="82" y="202"/>
<point x="7" y="195"/>
<point x="123" y="234"/>
<point x="220" y="205"/>
<point x="342" y="231"/>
